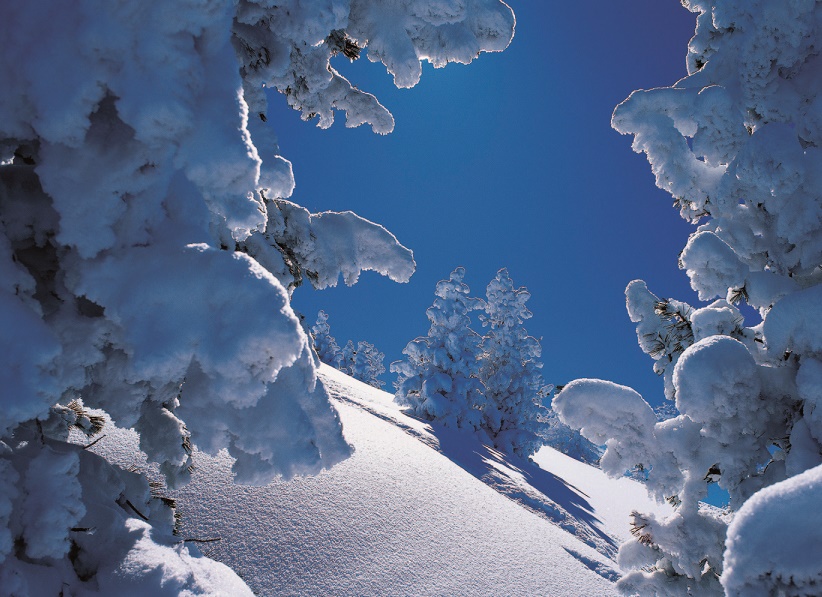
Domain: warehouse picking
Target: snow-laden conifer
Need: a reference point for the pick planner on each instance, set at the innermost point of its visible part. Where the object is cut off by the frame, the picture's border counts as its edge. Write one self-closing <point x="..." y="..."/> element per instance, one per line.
<point x="148" y="256"/>
<point x="364" y="362"/>
<point x="347" y="356"/>
<point x="439" y="378"/>
<point x="737" y="144"/>
<point x="324" y="343"/>
<point x="515" y="416"/>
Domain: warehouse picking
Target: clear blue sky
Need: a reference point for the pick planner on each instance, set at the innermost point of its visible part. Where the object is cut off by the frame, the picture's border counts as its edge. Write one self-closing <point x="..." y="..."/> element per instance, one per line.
<point x="511" y="162"/>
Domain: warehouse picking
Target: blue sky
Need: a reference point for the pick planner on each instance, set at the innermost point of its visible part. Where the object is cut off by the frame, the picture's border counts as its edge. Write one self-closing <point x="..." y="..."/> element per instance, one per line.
<point x="511" y="162"/>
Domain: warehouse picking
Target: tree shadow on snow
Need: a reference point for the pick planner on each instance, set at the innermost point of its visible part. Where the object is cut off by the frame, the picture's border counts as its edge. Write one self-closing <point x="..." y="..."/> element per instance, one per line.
<point x="521" y="480"/>
<point x="604" y="571"/>
<point x="518" y="479"/>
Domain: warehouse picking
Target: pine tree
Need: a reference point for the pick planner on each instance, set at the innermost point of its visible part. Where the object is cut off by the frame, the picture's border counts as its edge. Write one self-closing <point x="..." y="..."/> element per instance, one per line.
<point x="736" y="143"/>
<point x="364" y="363"/>
<point x="515" y="416"/>
<point x="147" y="262"/>
<point x="324" y="343"/>
<point x="439" y="380"/>
<point x="348" y="354"/>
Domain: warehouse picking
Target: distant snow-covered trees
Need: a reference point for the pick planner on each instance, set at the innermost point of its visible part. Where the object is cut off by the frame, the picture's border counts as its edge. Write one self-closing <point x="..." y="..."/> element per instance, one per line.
<point x="324" y="343"/>
<point x="490" y="383"/>
<point x="364" y="362"/>
<point x="737" y="144"/>
<point x="148" y="255"/>
<point x="439" y="379"/>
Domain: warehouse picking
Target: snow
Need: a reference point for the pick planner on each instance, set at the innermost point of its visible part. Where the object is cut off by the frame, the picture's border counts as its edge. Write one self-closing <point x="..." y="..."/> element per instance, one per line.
<point x="612" y="500"/>
<point x="364" y="362"/>
<point x="54" y="505"/>
<point x="795" y="323"/>
<point x="28" y="391"/>
<point x="515" y="416"/>
<point x="148" y="253"/>
<point x="718" y="318"/>
<point x="736" y="144"/>
<point x="416" y="510"/>
<point x="419" y="29"/>
<point x="137" y="203"/>
<point x="117" y="531"/>
<point x="769" y="548"/>
<point x="712" y="265"/>
<point x="165" y="334"/>
<point x="611" y="414"/>
<point x="718" y="385"/>
<point x="178" y="572"/>
<point x="325" y="344"/>
<point x="809" y="386"/>
<point x="663" y="329"/>
<point x="322" y="247"/>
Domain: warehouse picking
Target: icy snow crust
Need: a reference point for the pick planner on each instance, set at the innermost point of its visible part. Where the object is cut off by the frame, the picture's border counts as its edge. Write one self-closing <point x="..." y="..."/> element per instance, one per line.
<point x="415" y="511"/>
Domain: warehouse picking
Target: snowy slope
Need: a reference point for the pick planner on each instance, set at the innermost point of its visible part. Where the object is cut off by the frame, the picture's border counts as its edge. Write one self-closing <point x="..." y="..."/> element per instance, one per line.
<point x="415" y="511"/>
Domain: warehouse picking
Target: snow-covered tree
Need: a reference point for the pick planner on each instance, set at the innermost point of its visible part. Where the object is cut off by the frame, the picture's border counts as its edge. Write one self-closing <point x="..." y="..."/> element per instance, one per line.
<point x="738" y="143"/>
<point x="347" y="356"/>
<point x="364" y="362"/>
<point x="439" y="379"/>
<point x="324" y="343"/>
<point x="784" y="520"/>
<point x="148" y="254"/>
<point x="515" y="416"/>
<point x="373" y="364"/>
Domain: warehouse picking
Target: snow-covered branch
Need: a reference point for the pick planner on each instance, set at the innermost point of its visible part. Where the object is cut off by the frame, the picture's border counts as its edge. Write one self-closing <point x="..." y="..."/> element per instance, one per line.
<point x="737" y="144"/>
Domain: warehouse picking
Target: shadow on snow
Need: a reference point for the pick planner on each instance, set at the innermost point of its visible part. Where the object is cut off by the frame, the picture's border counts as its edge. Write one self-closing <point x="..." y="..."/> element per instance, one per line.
<point x="518" y="479"/>
<point x="536" y="489"/>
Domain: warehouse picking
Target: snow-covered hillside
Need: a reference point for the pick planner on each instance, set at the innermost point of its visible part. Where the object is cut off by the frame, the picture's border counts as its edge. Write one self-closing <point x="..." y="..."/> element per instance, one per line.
<point x="415" y="511"/>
